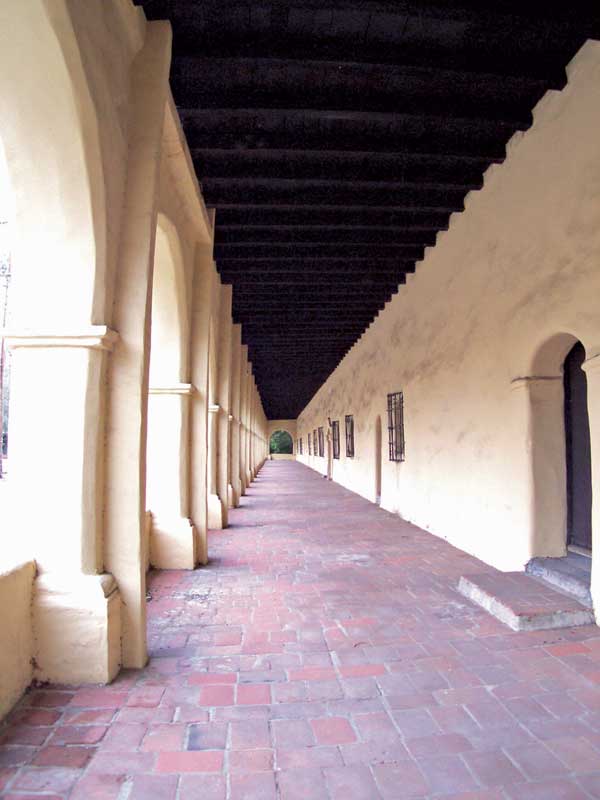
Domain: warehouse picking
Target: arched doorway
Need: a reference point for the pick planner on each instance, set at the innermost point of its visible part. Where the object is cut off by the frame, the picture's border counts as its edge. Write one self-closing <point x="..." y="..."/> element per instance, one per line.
<point x="281" y="443"/>
<point x="378" y="453"/>
<point x="577" y="452"/>
<point x="172" y="543"/>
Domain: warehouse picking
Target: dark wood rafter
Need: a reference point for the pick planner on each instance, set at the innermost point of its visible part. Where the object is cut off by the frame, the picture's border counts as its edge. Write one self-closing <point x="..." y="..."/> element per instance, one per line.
<point x="336" y="137"/>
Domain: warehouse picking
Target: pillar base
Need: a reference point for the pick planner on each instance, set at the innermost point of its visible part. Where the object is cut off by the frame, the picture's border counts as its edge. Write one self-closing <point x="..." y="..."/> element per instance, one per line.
<point x="216" y="513"/>
<point x="77" y="628"/>
<point x="233" y="496"/>
<point x="173" y="543"/>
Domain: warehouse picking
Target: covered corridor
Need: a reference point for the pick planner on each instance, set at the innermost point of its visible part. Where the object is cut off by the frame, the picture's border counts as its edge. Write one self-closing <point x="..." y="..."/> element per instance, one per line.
<point x="370" y="229"/>
<point x="323" y="653"/>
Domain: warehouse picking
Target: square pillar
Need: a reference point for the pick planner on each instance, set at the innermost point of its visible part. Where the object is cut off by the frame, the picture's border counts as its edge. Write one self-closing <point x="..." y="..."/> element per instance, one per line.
<point x="199" y="361"/>
<point x="235" y="425"/>
<point x="173" y="539"/>
<point x="57" y="438"/>
<point x="215" y="512"/>
<point x="224" y="400"/>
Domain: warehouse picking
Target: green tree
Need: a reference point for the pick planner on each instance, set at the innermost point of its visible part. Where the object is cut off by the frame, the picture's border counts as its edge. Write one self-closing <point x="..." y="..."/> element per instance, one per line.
<point x="281" y="442"/>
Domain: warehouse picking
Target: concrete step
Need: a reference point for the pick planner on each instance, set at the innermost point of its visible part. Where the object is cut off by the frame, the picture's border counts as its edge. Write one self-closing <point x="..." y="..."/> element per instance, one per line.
<point x="570" y="574"/>
<point x="522" y="602"/>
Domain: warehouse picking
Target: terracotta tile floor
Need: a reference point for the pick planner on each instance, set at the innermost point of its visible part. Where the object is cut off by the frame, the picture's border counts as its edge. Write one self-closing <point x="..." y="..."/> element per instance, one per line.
<point x="324" y="653"/>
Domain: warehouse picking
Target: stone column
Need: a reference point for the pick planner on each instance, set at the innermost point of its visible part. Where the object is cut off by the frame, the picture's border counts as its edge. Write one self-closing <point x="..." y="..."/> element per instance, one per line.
<point x="215" y="514"/>
<point x="253" y="459"/>
<point x="234" y="435"/>
<point x="199" y="399"/>
<point x="224" y="397"/>
<point x="248" y="455"/>
<point x="173" y="539"/>
<point x="592" y="371"/>
<point x="125" y="511"/>
<point x="243" y="418"/>
<point x="56" y="475"/>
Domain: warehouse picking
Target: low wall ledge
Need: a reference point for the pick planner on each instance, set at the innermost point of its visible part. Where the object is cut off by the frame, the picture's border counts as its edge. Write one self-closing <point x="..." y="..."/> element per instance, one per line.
<point x="176" y="388"/>
<point x="94" y="337"/>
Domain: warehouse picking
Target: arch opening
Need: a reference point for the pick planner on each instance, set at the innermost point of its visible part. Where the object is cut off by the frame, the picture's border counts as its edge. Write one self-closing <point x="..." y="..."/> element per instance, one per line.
<point x="166" y="488"/>
<point x="560" y="449"/>
<point x="281" y="443"/>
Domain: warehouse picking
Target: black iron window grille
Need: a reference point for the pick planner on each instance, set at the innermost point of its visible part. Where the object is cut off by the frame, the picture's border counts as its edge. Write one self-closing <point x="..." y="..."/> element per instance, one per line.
<point x="315" y="451"/>
<point x="335" y="436"/>
<point x="300" y="446"/>
<point x="395" y="408"/>
<point x="309" y="445"/>
<point x="349" y="436"/>
<point x="321" y="443"/>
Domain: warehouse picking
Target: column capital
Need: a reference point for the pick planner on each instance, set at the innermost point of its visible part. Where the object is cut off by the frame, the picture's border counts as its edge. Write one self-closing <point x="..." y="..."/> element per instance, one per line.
<point x="175" y="388"/>
<point x="93" y="337"/>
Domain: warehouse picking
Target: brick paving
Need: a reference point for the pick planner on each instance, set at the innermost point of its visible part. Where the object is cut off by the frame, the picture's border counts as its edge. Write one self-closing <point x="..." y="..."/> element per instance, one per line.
<point x="323" y="653"/>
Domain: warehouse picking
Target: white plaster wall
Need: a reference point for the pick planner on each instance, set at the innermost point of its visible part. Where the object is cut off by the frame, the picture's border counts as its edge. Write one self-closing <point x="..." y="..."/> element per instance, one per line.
<point x="521" y="264"/>
<point x="16" y="638"/>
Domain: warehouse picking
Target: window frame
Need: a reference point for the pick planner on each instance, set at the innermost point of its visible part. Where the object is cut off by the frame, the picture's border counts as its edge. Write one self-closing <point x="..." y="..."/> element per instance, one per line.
<point x="349" y="430"/>
<point x="396" y="440"/>
<point x="335" y="438"/>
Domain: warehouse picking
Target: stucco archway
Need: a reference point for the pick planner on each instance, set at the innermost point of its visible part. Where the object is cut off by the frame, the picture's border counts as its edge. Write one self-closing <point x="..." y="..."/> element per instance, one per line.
<point x="49" y="133"/>
<point x="545" y="398"/>
<point x="56" y="174"/>
<point x="281" y="442"/>
<point x="172" y="542"/>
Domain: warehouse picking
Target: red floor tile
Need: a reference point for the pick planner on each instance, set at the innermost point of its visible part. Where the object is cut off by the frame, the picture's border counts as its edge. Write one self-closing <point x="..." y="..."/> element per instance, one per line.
<point x="323" y="653"/>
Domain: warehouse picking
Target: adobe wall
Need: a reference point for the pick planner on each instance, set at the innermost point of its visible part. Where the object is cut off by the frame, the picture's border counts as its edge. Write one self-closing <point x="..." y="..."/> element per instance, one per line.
<point x="520" y="265"/>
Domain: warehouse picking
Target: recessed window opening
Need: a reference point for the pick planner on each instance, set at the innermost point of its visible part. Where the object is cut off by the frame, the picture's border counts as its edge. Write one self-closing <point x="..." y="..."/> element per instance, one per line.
<point x="315" y="451"/>
<point x="309" y="439"/>
<point x="321" y="443"/>
<point x="335" y="435"/>
<point x="395" y="408"/>
<point x="300" y="447"/>
<point x="349" y="436"/>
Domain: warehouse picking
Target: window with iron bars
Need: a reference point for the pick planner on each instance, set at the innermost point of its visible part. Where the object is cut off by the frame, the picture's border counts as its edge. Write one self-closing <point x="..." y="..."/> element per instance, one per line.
<point x="309" y="445"/>
<point x="321" y="443"/>
<point x="395" y="408"/>
<point x="315" y="451"/>
<point x="349" y="436"/>
<point x="335" y="437"/>
<point x="300" y="446"/>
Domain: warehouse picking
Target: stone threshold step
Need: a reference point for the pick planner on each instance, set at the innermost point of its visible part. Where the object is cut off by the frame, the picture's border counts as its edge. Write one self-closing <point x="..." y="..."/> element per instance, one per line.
<point x="522" y="602"/>
<point x="570" y="574"/>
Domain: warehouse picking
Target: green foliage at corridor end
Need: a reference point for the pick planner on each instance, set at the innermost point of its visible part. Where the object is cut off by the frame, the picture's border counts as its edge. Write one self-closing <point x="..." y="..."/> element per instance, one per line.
<point x="281" y="442"/>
